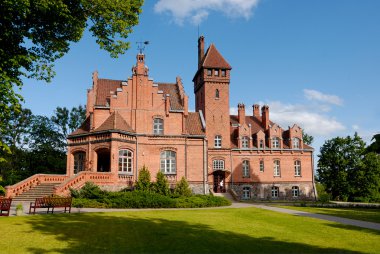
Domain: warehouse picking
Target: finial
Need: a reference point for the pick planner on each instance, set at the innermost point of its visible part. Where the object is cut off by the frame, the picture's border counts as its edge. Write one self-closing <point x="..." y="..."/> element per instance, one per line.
<point x="141" y="45"/>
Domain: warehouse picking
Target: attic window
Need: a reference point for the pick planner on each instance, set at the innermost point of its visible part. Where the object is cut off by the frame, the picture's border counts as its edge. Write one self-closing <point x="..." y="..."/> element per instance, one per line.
<point x="223" y="73"/>
<point x="217" y="93"/>
<point x="216" y="73"/>
<point x="209" y="72"/>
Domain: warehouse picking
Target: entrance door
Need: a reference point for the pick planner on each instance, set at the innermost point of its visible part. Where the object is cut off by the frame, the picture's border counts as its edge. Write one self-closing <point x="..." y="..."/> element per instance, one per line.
<point x="219" y="181"/>
<point x="104" y="159"/>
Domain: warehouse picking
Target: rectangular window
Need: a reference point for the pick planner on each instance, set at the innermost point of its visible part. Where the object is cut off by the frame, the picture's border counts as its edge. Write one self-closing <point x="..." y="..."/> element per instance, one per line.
<point x="218" y="141"/>
<point x="209" y="72"/>
<point x="223" y="73"/>
<point x="216" y="73"/>
<point x="276" y="143"/>
<point x="275" y="192"/>
<point x="218" y="165"/>
<point x="158" y="126"/>
<point x="245" y="168"/>
<point x="297" y="168"/>
<point x="295" y="191"/>
<point x="296" y="143"/>
<point x="261" y="166"/>
<point x="246" y="193"/>
<point x="276" y="168"/>
<point x="245" y="142"/>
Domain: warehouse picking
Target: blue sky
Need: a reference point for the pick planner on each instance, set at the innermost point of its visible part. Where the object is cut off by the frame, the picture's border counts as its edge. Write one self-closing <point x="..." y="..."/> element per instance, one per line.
<point x="315" y="63"/>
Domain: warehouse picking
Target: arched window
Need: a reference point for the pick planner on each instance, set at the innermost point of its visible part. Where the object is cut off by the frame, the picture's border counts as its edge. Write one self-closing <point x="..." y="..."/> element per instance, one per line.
<point x="295" y="191"/>
<point x="276" y="168"/>
<point x="297" y="168"/>
<point x="218" y="165"/>
<point x="218" y="141"/>
<point x="275" y="192"/>
<point x="217" y="93"/>
<point x="245" y="142"/>
<point x="79" y="162"/>
<point x="158" y="126"/>
<point x="168" y="162"/>
<point x="275" y="142"/>
<point x="246" y="192"/>
<point x="245" y="168"/>
<point x="125" y="162"/>
<point x="296" y="143"/>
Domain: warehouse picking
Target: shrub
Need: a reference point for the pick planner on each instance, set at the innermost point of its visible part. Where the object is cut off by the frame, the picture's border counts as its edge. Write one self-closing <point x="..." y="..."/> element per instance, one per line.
<point x="162" y="185"/>
<point x="2" y="191"/>
<point x="143" y="183"/>
<point x="89" y="190"/>
<point x="182" y="188"/>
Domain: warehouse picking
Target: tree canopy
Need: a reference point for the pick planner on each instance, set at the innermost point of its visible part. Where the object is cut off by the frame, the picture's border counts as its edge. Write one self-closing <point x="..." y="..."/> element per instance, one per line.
<point x="35" y="33"/>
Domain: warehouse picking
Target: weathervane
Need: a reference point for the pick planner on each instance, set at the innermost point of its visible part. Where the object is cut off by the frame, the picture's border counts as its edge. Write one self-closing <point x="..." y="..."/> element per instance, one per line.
<point x="141" y="45"/>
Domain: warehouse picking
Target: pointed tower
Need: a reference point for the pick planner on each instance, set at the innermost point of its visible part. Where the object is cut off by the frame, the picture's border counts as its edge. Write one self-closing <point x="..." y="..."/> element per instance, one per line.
<point x="211" y="88"/>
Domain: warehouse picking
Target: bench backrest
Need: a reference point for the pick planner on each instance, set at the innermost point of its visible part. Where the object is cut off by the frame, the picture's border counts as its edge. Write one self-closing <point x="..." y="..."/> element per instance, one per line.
<point x="51" y="201"/>
<point x="5" y="203"/>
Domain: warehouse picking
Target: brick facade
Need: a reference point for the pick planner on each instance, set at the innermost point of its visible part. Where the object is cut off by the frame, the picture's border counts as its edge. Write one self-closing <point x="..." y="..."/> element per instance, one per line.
<point x="136" y="122"/>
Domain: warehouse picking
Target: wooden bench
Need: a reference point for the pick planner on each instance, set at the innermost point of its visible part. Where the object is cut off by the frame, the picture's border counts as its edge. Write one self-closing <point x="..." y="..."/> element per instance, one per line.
<point x="5" y="206"/>
<point x="51" y="203"/>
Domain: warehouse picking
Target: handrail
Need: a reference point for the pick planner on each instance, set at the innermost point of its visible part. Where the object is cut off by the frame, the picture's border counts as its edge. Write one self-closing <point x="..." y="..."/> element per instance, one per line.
<point x="78" y="180"/>
<point x="34" y="180"/>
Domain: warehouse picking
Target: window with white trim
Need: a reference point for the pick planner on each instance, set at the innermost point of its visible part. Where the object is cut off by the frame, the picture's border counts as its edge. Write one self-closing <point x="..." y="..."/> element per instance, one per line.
<point x="209" y="72"/>
<point x="246" y="192"/>
<point x="125" y="161"/>
<point x="296" y="143"/>
<point x="158" y="126"/>
<point x="245" y="142"/>
<point x="168" y="162"/>
<point x="218" y="141"/>
<point x="275" y="192"/>
<point x="79" y="162"/>
<point x="218" y="165"/>
<point x="295" y="191"/>
<point x="275" y="142"/>
<point x="297" y="168"/>
<point x="216" y="73"/>
<point x="223" y="73"/>
<point x="245" y="168"/>
<point x="261" y="165"/>
<point x="276" y="168"/>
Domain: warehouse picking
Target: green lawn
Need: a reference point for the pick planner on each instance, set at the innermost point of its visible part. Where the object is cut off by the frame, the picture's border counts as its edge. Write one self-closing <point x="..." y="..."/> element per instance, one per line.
<point x="366" y="214"/>
<point x="248" y="230"/>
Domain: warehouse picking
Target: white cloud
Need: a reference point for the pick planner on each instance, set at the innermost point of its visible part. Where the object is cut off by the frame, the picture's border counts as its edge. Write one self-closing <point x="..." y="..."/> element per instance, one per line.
<point x="198" y="10"/>
<point x="318" y="96"/>
<point x="314" y="122"/>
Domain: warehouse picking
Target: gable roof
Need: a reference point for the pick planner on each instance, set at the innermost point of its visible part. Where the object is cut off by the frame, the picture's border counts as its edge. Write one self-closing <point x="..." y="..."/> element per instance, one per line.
<point x="213" y="59"/>
<point x="115" y="122"/>
<point x="194" y="124"/>
<point x="84" y="128"/>
<point x="173" y="90"/>
<point x="104" y="89"/>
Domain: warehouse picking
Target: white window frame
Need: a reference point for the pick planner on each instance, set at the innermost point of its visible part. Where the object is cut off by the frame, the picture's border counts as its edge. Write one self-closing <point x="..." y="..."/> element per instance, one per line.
<point x="246" y="192"/>
<point x="79" y="162"/>
<point x="218" y="165"/>
<point x="262" y="166"/>
<point x="245" y="168"/>
<point x="276" y="168"/>
<point x="275" y="192"/>
<point x="209" y="72"/>
<point x="125" y="161"/>
<point x="216" y="72"/>
<point x="295" y="191"/>
<point x="158" y="126"/>
<point x="296" y="143"/>
<point x="297" y="168"/>
<point x="224" y="73"/>
<point x="245" y="142"/>
<point x="218" y="141"/>
<point x="276" y="142"/>
<point x="168" y="162"/>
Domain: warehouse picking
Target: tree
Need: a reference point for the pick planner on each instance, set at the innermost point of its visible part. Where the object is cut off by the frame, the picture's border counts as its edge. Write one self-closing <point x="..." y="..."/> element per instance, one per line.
<point x="307" y="139"/>
<point x="143" y="183"/>
<point x="339" y="159"/>
<point x="162" y="185"/>
<point x="182" y="188"/>
<point x="375" y="146"/>
<point x="35" y="33"/>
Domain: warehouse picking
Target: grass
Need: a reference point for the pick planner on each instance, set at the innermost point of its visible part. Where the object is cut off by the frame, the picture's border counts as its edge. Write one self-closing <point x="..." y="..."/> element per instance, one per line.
<point x="248" y="230"/>
<point x="365" y="214"/>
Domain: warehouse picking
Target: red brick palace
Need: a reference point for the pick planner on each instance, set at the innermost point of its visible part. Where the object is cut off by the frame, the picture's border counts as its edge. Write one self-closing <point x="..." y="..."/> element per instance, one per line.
<point x="136" y="122"/>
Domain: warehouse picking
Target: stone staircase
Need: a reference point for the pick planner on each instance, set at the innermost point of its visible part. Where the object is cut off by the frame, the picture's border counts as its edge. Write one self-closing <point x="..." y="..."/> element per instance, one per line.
<point x="39" y="191"/>
<point x="226" y="195"/>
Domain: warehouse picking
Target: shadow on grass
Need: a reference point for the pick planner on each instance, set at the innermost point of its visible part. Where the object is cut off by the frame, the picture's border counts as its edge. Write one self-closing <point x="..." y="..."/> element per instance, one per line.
<point x="354" y="228"/>
<point x="102" y="233"/>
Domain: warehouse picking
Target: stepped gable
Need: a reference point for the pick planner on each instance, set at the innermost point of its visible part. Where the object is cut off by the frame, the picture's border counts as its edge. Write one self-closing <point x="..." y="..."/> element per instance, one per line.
<point x="173" y="90"/>
<point x="115" y="122"/>
<point x="213" y="59"/>
<point x="194" y="124"/>
<point x="104" y="89"/>
<point x="83" y="129"/>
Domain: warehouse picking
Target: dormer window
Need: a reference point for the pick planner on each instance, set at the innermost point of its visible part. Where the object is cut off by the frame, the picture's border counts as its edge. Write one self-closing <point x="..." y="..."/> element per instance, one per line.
<point x="245" y="142"/>
<point x="276" y="142"/>
<point x="216" y="73"/>
<point x="217" y="93"/>
<point x="223" y="73"/>
<point x="261" y="145"/>
<point x="296" y="143"/>
<point x="209" y="72"/>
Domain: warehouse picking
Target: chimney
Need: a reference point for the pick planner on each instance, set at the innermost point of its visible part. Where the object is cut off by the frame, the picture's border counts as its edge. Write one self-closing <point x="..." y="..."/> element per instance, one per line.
<point x="256" y="110"/>
<point x="265" y="116"/>
<point x="201" y="50"/>
<point x="241" y="113"/>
